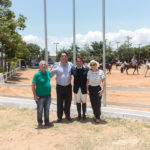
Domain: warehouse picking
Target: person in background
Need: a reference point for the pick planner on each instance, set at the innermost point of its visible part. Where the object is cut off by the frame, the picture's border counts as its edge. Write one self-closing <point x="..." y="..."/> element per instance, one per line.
<point x="41" y="89"/>
<point x="63" y="86"/>
<point x="80" y="78"/>
<point x="134" y="61"/>
<point x="95" y="88"/>
<point x="123" y="64"/>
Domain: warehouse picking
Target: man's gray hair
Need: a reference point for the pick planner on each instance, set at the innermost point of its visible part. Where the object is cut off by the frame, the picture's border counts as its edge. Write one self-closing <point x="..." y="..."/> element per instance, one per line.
<point x="42" y="61"/>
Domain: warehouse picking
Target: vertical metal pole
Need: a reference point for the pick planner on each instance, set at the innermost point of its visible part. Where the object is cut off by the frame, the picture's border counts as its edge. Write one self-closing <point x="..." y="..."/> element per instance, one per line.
<point x="104" y="48"/>
<point x="139" y="52"/>
<point x="56" y="43"/>
<point x="74" y="35"/>
<point x="117" y="49"/>
<point x="56" y="49"/>
<point x="117" y="45"/>
<point x="45" y="27"/>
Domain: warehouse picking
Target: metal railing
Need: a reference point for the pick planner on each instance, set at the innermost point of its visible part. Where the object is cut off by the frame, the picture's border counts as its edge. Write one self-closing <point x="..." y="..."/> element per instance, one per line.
<point x="7" y="75"/>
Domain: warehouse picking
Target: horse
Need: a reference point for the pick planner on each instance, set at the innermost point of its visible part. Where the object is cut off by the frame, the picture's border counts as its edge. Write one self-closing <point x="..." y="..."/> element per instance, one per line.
<point x="147" y="67"/>
<point x="135" y="67"/>
<point x="108" y="67"/>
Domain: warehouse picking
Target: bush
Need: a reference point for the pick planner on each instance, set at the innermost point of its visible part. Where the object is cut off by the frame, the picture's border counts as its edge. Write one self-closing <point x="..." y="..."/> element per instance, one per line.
<point x="13" y="65"/>
<point x="2" y="70"/>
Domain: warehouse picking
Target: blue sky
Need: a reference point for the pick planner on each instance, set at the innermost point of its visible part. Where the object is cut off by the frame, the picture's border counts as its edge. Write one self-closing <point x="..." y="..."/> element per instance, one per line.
<point x="123" y="18"/>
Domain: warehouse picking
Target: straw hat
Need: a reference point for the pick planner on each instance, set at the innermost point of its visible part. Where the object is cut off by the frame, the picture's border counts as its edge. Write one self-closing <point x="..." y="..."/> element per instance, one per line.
<point x="93" y="62"/>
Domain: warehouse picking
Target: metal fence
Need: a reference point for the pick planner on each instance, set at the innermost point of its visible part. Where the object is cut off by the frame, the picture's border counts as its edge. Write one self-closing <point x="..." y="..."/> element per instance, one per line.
<point x="10" y="73"/>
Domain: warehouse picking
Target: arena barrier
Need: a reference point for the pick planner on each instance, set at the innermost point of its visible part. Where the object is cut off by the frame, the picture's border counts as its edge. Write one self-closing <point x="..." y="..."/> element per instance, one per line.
<point x="108" y="88"/>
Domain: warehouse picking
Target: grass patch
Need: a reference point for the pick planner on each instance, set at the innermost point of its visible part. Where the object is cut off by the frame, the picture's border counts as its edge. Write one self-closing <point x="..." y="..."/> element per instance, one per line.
<point x="19" y="127"/>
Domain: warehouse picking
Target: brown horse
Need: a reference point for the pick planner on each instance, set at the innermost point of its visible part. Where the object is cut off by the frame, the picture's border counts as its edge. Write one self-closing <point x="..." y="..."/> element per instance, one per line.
<point x="135" y="67"/>
<point x="108" y="67"/>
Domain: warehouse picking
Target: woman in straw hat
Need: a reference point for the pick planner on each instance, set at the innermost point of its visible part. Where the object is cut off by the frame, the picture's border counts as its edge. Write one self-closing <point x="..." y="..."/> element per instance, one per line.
<point x="95" y="86"/>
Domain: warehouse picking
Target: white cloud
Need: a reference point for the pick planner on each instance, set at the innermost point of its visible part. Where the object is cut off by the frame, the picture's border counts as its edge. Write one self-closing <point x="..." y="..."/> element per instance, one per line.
<point x="33" y="39"/>
<point x="139" y="36"/>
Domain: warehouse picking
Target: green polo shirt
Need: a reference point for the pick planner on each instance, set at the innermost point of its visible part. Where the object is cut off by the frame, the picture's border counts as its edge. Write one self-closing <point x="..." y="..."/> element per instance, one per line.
<point x="42" y="80"/>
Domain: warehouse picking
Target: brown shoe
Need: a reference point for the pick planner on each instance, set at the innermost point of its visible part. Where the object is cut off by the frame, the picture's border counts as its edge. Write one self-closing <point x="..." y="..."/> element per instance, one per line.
<point x="49" y="124"/>
<point x="59" y="120"/>
<point x="97" y="120"/>
<point x="39" y="126"/>
<point x="69" y="118"/>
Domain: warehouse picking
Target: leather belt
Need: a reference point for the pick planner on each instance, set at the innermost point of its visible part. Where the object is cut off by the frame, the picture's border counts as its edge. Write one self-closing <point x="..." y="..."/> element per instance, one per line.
<point x="63" y="85"/>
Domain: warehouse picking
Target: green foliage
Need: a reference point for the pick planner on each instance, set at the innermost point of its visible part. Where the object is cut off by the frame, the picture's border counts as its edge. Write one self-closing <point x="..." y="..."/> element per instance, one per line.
<point x="5" y="3"/>
<point x="34" y="52"/>
<point x="11" y="41"/>
<point x="95" y="51"/>
<point x="2" y="70"/>
<point x="13" y="65"/>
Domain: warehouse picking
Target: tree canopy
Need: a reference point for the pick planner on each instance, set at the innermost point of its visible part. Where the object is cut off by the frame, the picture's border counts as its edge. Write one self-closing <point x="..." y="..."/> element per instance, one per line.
<point x="11" y="43"/>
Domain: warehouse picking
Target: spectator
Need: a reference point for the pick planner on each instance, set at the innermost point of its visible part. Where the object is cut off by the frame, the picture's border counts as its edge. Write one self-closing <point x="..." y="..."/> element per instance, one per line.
<point x="80" y="77"/>
<point x="41" y="89"/>
<point x="95" y="78"/>
<point x="63" y="86"/>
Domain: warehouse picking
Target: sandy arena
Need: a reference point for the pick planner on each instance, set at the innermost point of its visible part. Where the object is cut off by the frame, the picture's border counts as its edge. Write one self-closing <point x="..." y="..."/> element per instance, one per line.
<point x="115" y="79"/>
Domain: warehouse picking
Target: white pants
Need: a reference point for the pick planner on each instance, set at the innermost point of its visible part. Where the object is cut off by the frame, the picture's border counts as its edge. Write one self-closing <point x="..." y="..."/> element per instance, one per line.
<point x="79" y="97"/>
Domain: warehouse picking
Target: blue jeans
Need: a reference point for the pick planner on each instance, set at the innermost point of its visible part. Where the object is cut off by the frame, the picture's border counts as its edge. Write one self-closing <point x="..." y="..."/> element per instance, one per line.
<point x="43" y="103"/>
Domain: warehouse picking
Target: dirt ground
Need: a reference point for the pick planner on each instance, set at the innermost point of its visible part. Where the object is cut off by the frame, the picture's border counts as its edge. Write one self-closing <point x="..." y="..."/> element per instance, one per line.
<point x="18" y="131"/>
<point x="115" y="79"/>
<point x="18" y="127"/>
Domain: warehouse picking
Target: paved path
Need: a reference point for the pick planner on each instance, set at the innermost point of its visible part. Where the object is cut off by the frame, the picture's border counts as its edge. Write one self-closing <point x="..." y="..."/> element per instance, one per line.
<point x="145" y="89"/>
<point x="106" y="111"/>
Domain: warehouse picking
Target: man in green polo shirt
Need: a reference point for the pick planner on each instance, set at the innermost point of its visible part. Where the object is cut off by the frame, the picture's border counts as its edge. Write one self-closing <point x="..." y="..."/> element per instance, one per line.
<point x="41" y="89"/>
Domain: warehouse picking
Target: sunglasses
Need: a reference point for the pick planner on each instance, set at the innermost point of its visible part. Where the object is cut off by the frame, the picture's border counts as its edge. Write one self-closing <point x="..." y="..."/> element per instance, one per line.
<point x="43" y="64"/>
<point x="92" y="64"/>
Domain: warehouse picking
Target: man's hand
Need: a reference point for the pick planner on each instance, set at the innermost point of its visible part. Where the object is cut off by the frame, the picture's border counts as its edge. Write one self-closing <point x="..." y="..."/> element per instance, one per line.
<point x="36" y="98"/>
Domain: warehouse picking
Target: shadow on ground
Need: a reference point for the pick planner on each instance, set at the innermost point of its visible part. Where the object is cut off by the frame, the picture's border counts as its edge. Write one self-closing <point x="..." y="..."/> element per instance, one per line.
<point x="16" y="78"/>
<point x="65" y="121"/>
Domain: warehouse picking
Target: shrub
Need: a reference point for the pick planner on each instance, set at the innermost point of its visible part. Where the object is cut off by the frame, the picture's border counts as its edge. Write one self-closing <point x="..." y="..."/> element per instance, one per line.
<point x="2" y="70"/>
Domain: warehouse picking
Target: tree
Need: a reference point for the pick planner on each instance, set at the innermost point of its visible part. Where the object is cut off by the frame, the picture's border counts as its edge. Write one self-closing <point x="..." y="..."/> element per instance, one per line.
<point x="34" y="52"/>
<point x="10" y="39"/>
<point x="97" y="49"/>
<point x="5" y="3"/>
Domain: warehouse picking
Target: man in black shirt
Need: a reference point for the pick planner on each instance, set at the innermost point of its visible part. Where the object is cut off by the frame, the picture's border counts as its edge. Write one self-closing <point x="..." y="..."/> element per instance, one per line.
<point x="80" y="77"/>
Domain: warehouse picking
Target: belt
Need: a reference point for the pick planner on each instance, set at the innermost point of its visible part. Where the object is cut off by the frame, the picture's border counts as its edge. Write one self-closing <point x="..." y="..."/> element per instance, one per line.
<point x="94" y="86"/>
<point x="63" y="85"/>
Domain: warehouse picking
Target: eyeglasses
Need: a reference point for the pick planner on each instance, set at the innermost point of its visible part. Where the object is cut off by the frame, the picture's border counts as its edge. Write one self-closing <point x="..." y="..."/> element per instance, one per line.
<point x="43" y="64"/>
<point x="92" y="65"/>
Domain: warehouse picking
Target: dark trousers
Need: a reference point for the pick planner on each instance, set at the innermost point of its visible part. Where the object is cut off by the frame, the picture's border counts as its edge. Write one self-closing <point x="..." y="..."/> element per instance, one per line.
<point x="64" y="97"/>
<point x="95" y="100"/>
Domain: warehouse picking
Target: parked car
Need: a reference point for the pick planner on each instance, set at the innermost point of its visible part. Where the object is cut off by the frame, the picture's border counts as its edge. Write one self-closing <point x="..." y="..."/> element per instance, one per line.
<point x="35" y="66"/>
